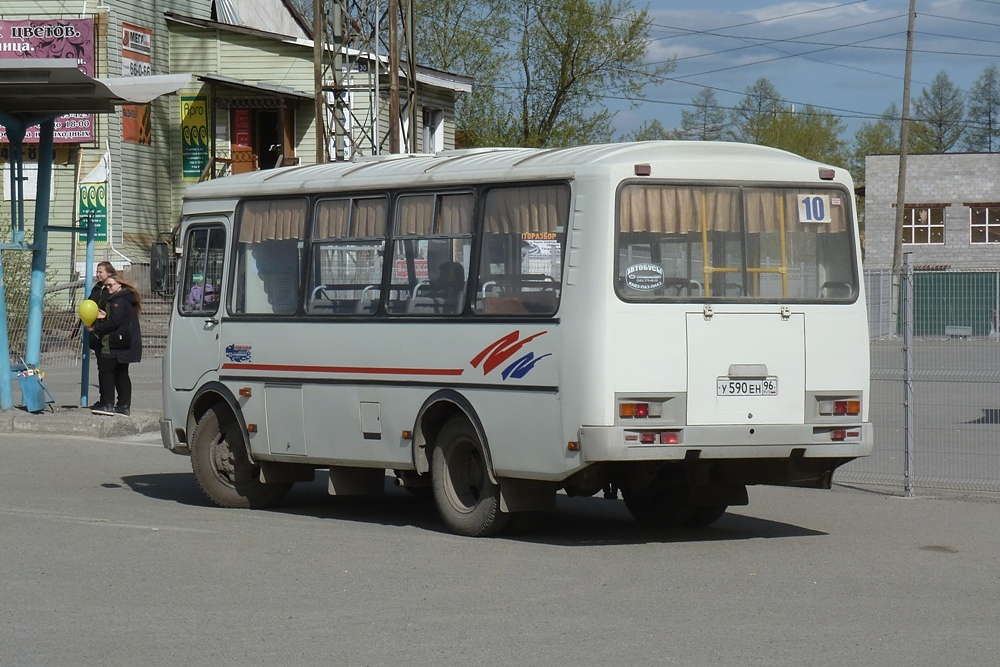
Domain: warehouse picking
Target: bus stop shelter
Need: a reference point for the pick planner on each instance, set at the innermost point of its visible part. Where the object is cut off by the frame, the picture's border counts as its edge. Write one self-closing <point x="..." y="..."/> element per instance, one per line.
<point x="36" y="92"/>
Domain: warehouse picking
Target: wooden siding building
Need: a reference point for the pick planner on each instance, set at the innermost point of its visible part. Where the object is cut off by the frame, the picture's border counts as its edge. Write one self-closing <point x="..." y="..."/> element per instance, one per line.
<point x="247" y="105"/>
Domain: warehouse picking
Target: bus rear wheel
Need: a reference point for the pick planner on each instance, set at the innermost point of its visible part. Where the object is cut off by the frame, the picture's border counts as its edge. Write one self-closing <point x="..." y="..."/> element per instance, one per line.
<point x="657" y="506"/>
<point x="223" y="469"/>
<point x="467" y="499"/>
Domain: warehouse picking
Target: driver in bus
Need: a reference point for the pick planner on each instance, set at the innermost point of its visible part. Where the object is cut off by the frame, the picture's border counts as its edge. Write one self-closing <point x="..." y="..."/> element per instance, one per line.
<point x="201" y="293"/>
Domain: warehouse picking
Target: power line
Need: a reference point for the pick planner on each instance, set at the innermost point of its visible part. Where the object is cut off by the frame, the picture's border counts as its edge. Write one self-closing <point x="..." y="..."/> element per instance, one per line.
<point x="757" y="22"/>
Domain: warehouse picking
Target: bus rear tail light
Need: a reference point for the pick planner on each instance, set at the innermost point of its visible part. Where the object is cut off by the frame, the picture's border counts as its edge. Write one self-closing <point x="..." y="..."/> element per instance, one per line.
<point x="637" y="410"/>
<point x="840" y="434"/>
<point x="654" y="437"/>
<point x="840" y="407"/>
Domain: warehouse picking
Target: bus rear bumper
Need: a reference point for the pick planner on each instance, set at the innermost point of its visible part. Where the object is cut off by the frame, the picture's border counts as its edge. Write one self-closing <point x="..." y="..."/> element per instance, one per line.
<point x="769" y="441"/>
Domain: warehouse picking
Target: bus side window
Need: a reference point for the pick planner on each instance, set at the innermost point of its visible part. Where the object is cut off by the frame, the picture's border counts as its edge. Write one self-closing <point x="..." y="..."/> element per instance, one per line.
<point x="269" y="254"/>
<point x="520" y="269"/>
<point x="430" y="262"/>
<point x="204" y="257"/>
<point x="348" y="252"/>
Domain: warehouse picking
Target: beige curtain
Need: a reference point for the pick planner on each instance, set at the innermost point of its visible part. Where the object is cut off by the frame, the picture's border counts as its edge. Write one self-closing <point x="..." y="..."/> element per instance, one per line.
<point x="368" y="215"/>
<point x="331" y="219"/>
<point x="527" y="209"/>
<point x="678" y="210"/>
<point x="272" y="220"/>
<point x="666" y="209"/>
<point x="763" y="207"/>
<point x="455" y="214"/>
<point x="415" y="215"/>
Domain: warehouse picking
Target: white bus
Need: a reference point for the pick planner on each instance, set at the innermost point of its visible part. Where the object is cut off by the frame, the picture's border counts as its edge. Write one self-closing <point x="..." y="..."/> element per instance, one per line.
<point x="667" y="321"/>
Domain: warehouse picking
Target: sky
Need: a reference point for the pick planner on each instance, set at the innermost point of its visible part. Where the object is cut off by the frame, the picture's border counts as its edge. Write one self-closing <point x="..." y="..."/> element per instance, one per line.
<point x="847" y="57"/>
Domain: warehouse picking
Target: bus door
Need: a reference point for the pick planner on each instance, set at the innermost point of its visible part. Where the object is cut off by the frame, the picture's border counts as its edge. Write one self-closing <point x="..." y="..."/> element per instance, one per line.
<point x="197" y="322"/>
<point x="746" y="368"/>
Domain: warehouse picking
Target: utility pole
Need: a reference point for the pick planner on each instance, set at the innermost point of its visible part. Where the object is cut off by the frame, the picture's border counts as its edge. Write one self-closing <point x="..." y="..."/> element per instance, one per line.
<point x="358" y="46"/>
<point x="904" y="134"/>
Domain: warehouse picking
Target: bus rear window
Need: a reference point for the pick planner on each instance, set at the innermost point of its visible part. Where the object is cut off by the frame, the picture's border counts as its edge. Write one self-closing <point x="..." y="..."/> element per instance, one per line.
<point x="734" y="243"/>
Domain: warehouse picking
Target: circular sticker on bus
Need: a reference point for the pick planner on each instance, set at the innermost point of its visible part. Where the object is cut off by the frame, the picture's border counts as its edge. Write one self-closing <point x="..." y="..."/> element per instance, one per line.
<point x="644" y="276"/>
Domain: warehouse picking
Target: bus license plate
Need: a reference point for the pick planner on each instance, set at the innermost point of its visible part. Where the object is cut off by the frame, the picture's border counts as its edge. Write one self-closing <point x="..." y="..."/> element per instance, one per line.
<point x="750" y="387"/>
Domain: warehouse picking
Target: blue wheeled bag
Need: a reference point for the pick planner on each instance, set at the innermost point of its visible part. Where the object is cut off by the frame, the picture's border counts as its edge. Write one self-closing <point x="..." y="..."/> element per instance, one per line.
<point x="34" y="394"/>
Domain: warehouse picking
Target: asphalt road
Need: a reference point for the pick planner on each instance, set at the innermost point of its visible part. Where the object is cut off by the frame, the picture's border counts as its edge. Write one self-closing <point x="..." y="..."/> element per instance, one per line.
<point x="110" y="555"/>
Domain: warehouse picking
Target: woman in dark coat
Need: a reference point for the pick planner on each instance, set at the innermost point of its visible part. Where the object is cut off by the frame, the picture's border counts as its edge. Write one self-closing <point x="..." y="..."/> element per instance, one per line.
<point x="117" y="326"/>
<point x="99" y="295"/>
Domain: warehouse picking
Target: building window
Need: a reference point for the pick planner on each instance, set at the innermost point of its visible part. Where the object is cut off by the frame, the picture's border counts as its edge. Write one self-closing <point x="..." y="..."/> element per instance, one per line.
<point x="923" y="225"/>
<point x="985" y="223"/>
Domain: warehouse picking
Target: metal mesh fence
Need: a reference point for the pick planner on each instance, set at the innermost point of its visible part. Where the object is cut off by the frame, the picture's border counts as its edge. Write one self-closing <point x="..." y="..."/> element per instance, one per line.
<point x="955" y="370"/>
<point x="61" y="343"/>
<point x="955" y="367"/>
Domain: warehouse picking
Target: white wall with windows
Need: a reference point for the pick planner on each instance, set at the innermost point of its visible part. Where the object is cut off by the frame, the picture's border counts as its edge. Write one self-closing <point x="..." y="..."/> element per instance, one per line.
<point x="952" y="210"/>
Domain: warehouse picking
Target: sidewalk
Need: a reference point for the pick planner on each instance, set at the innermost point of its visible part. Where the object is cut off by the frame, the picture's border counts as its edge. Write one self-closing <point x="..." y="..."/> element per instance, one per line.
<point x="67" y="418"/>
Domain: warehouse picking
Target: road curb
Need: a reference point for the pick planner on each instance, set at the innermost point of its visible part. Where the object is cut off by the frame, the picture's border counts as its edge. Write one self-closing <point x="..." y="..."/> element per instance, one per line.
<point x="80" y="421"/>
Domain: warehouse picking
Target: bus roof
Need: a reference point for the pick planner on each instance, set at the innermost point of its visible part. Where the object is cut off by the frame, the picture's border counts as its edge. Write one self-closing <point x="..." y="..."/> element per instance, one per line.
<point x="668" y="159"/>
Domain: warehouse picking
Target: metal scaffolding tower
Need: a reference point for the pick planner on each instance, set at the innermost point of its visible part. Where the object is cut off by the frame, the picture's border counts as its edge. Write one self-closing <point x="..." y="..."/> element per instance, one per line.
<point x="365" y="78"/>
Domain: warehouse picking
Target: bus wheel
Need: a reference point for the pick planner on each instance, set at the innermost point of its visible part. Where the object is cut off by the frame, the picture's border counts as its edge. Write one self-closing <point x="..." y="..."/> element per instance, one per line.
<point x="469" y="503"/>
<point x="660" y="506"/>
<point x="220" y="464"/>
<point x="706" y="516"/>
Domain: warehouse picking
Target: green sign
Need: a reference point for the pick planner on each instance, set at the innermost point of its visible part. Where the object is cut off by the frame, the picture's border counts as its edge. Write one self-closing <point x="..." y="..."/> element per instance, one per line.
<point x="94" y="202"/>
<point x="194" y="136"/>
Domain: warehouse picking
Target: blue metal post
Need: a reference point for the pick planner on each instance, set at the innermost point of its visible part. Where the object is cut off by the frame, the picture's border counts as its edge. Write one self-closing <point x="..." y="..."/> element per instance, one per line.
<point x="87" y="286"/>
<point x="15" y="135"/>
<point x="39" y="245"/>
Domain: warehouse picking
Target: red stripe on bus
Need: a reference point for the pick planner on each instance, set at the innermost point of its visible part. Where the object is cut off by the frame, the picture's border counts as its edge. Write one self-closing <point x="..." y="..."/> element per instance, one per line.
<point x="342" y="369"/>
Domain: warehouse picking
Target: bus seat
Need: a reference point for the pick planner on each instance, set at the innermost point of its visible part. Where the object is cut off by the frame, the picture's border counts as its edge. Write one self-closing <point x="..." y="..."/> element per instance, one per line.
<point x="503" y="305"/>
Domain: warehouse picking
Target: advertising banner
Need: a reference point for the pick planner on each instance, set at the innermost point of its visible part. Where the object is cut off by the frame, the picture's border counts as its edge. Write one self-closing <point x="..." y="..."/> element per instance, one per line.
<point x="137" y="60"/>
<point x="53" y="38"/>
<point x="94" y="202"/>
<point x="194" y="136"/>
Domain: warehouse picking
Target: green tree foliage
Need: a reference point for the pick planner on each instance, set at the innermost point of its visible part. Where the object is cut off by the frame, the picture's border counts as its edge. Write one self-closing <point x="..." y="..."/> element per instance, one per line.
<point x="652" y="130"/>
<point x="467" y="37"/>
<point x="982" y="131"/>
<point x="763" y="118"/>
<point x="876" y="137"/>
<point x="937" y="117"/>
<point x="755" y="112"/>
<point x="808" y="132"/>
<point x="568" y="57"/>
<point x="707" y="122"/>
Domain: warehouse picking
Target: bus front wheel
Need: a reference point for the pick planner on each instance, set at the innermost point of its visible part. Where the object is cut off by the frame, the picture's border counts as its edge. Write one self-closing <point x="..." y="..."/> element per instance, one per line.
<point x="223" y="469"/>
<point x="467" y="499"/>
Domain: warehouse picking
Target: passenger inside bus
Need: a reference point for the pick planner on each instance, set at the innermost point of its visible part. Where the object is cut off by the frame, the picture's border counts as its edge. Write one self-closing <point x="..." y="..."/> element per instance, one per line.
<point x="449" y="286"/>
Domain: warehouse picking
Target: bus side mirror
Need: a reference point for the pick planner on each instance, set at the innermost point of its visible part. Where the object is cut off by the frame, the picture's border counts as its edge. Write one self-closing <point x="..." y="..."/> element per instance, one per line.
<point x="159" y="268"/>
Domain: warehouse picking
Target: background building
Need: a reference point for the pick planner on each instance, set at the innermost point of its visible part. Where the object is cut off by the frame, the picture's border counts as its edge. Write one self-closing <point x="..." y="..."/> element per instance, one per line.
<point x="247" y="104"/>
<point x="952" y="214"/>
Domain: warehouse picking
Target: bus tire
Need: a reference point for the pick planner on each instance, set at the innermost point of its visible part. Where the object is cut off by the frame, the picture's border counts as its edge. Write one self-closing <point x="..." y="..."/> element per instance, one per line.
<point x="467" y="499"/>
<point x="223" y="469"/>
<point x="658" y="506"/>
<point x="706" y="516"/>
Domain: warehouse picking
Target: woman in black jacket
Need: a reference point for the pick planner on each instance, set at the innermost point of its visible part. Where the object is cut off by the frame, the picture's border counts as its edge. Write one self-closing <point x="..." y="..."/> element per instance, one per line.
<point x="117" y="326"/>
<point x="99" y="295"/>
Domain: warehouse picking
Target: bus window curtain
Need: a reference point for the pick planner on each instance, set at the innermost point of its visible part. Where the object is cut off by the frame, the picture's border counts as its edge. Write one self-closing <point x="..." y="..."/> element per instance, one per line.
<point x="527" y="209"/>
<point x="666" y="209"/>
<point x="272" y="220"/>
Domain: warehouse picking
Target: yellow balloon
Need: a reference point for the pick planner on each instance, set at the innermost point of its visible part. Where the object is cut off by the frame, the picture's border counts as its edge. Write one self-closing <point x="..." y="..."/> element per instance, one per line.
<point x="88" y="311"/>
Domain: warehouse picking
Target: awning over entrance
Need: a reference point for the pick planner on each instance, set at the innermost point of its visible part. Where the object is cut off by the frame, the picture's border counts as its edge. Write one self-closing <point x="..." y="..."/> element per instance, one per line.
<point x="143" y="89"/>
<point x="259" y="88"/>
